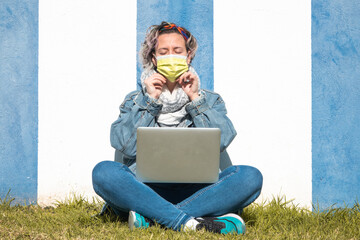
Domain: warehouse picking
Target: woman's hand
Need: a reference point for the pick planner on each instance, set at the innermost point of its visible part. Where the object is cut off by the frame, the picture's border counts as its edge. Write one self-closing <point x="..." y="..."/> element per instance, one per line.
<point x="189" y="82"/>
<point x="154" y="85"/>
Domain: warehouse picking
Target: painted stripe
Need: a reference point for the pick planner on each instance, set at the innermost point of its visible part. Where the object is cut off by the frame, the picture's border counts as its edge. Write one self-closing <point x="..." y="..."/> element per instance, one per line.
<point x="263" y="72"/>
<point x="196" y="16"/>
<point x="335" y="102"/>
<point x="18" y="99"/>
<point x="86" y="67"/>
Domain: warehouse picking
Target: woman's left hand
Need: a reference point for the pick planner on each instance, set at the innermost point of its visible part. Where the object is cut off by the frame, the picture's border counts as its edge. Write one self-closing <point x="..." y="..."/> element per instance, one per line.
<point x="190" y="84"/>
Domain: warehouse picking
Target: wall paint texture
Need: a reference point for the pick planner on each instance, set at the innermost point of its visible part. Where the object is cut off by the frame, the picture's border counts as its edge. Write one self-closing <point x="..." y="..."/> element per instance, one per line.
<point x="18" y="99"/>
<point x="336" y="102"/>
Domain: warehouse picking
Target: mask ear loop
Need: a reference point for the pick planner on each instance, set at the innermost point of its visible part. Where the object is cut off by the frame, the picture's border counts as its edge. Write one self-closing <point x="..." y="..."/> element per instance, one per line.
<point x="154" y="61"/>
<point x="187" y="59"/>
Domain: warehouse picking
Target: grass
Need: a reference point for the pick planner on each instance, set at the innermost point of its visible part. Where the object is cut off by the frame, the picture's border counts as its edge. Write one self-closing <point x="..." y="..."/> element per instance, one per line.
<point x="73" y="219"/>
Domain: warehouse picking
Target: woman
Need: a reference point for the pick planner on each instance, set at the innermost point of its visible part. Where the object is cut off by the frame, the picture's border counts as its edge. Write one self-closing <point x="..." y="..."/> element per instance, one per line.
<point x="171" y="97"/>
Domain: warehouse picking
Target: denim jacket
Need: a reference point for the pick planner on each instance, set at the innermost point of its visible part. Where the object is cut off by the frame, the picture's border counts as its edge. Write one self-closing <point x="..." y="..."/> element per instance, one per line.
<point x="140" y="110"/>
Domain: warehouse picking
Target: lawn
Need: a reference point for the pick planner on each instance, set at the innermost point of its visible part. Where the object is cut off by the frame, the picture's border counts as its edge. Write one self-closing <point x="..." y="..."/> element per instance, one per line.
<point x="74" y="219"/>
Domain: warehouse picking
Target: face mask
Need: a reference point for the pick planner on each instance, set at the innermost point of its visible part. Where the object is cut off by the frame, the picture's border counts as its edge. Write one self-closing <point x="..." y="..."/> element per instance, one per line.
<point x="172" y="66"/>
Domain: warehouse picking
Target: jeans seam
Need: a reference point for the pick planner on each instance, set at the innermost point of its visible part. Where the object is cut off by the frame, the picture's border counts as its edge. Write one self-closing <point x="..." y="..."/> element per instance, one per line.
<point x="178" y="220"/>
<point x="208" y="188"/>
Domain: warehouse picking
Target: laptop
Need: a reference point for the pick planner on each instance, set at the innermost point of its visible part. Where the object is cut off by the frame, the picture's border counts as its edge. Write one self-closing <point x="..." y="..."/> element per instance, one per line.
<point x="178" y="155"/>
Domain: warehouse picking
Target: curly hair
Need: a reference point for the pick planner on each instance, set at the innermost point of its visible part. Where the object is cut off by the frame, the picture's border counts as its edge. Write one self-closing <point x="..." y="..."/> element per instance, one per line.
<point x="147" y="50"/>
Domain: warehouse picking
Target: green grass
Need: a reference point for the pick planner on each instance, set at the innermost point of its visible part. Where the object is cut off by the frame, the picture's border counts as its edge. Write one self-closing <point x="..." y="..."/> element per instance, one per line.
<point x="73" y="219"/>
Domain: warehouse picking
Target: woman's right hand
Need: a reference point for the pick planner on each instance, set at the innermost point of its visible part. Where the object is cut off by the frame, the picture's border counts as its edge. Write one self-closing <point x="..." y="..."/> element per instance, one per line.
<point x="154" y="85"/>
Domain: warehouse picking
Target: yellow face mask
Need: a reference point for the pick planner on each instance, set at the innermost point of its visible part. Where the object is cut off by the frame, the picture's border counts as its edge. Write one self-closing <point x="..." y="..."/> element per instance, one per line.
<point x="172" y="66"/>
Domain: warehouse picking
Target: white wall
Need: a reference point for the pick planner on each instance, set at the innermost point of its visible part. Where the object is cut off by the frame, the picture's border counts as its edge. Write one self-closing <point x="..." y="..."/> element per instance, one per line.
<point x="87" y="64"/>
<point x="263" y="71"/>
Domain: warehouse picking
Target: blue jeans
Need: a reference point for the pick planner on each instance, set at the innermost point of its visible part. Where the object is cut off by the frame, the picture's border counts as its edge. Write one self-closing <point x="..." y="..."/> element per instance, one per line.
<point x="172" y="205"/>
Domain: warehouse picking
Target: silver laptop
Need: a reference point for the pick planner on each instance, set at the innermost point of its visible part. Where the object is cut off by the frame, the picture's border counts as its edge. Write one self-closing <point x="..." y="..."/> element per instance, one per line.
<point x="178" y="155"/>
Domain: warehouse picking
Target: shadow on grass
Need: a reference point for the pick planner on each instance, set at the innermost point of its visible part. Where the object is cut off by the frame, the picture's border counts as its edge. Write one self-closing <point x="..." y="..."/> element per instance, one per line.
<point x="107" y="214"/>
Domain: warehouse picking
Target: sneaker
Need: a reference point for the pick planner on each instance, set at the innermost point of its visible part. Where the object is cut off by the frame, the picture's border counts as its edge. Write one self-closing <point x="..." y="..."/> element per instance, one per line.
<point x="138" y="221"/>
<point x="229" y="223"/>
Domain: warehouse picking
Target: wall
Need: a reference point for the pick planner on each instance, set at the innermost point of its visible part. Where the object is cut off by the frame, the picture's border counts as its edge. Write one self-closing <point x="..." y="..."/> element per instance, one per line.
<point x="335" y="104"/>
<point x="263" y="70"/>
<point x="256" y="54"/>
<point x="18" y="99"/>
<point x="87" y="64"/>
<point x="85" y="49"/>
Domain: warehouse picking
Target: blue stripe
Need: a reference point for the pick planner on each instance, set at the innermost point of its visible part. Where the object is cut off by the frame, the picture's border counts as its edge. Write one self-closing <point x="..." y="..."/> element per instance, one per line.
<point x="19" y="99"/>
<point x="196" y="16"/>
<point x="335" y="102"/>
